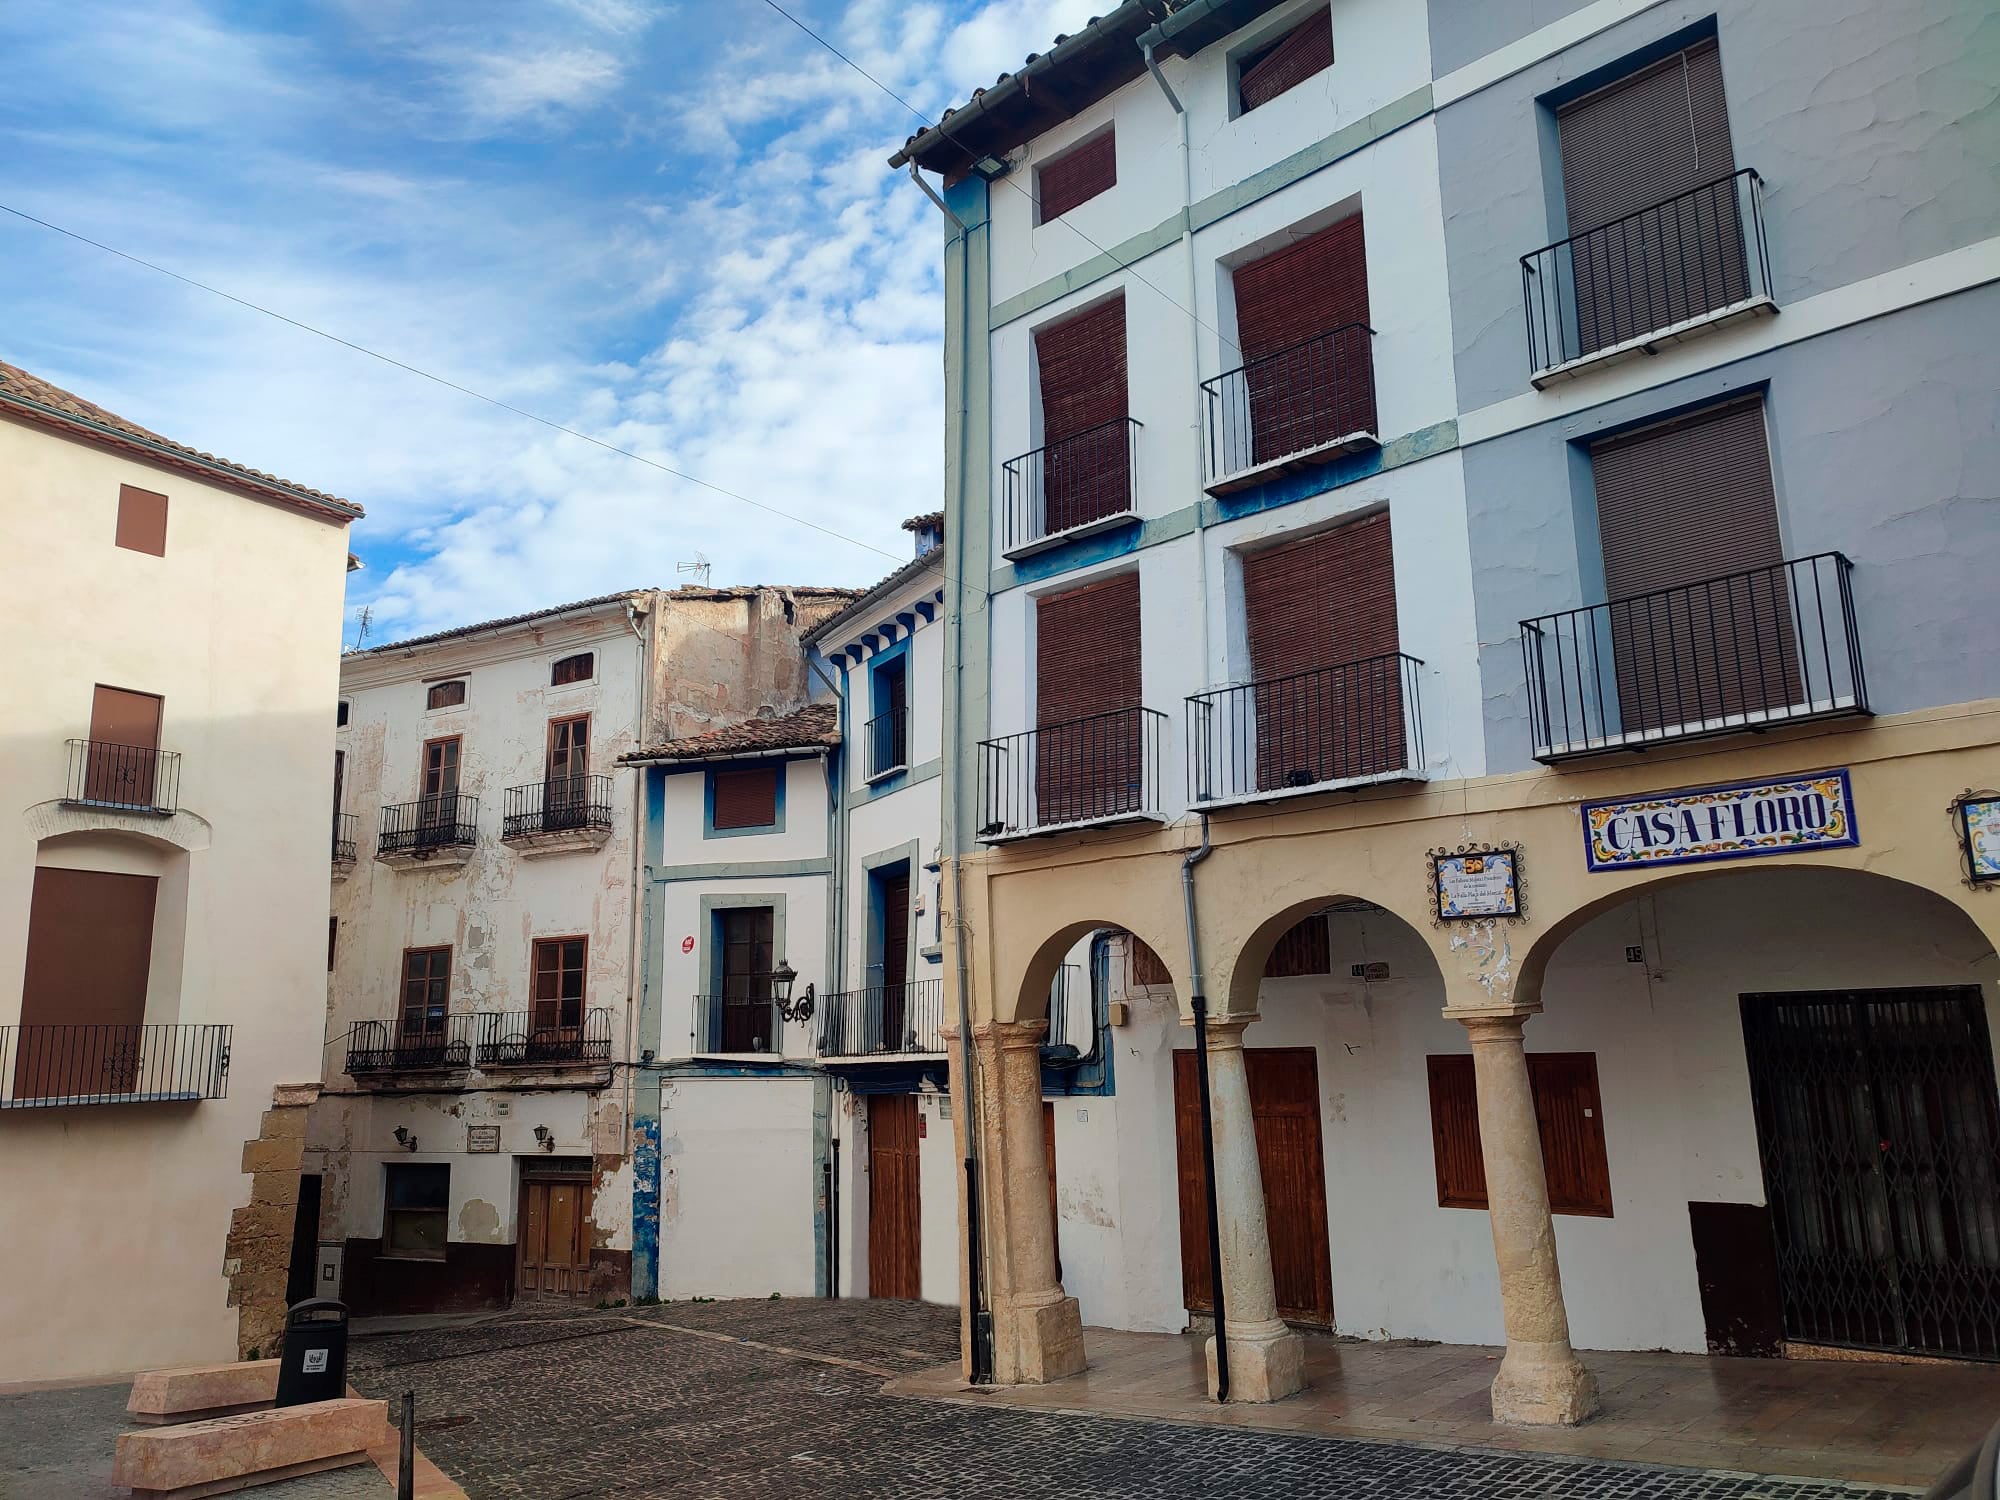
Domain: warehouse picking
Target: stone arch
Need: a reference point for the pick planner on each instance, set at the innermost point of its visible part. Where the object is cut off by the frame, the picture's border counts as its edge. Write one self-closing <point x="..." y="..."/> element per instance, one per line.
<point x="57" y="819"/>
<point x="1243" y="977"/>
<point x="1033" y="923"/>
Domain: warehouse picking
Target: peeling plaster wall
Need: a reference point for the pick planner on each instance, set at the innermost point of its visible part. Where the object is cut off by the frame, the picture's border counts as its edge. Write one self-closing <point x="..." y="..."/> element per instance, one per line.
<point x="721" y="656"/>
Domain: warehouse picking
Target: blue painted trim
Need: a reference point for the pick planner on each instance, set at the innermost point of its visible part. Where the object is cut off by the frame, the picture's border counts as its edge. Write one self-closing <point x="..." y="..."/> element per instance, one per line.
<point x="1080" y="553"/>
<point x="646" y="1192"/>
<point x="1094" y="1079"/>
<point x="930" y="770"/>
<point x="746" y="869"/>
<point x="708" y="828"/>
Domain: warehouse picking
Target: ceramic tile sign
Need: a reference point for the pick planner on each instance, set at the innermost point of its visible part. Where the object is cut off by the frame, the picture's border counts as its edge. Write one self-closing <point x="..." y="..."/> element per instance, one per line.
<point x="1739" y="821"/>
<point x="1981" y="819"/>
<point x="1482" y="883"/>
<point x="480" y="1138"/>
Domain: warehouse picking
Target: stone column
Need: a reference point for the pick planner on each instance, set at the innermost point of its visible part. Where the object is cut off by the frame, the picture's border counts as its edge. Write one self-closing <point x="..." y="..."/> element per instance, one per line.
<point x="1266" y="1359"/>
<point x="1541" y="1381"/>
<point x="1037" y="1329"/>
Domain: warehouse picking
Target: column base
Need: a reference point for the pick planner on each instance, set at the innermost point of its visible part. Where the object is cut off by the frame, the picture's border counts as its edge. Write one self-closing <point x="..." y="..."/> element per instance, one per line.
<point x="1543" y="1385"/>
<point x="1267" y="1362"/>
<point x="1048" y="1340"/>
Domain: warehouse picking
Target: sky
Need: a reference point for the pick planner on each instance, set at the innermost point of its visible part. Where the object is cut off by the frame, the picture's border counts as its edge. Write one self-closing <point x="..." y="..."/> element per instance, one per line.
<point x="669" y="225"/>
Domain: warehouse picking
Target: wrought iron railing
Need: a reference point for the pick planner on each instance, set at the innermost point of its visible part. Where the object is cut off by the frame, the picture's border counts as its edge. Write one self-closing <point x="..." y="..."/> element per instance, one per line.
<point x="44" y="1066"/>
<point x="1748" y="650"/>
<point x="345" y="827"/>
<point x="540" y="1038"/>
<point x="413" y="1044"/>
<point x="888" y="742"/>
<point x="135" y="778"/>
<point x="1068" y="484"/>
<point x="883" y="1020"/>
<point x="1358" y="722"/>
<point x="749" y="1021"/>
<point x="1673" y="264"/>
<point x="1088" y="770"/>
<point x="447" y="821"/>
<point x="563" y="804"/>
<point x="1072" y="1014"/>
<point x="1315" y="396"/>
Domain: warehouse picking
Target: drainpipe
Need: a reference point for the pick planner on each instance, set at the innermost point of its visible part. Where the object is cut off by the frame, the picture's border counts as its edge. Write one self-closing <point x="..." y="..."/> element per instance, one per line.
<point x="634" y="951"/>
<point x="834" y="769"/>
<point x="1199" y="1001"/>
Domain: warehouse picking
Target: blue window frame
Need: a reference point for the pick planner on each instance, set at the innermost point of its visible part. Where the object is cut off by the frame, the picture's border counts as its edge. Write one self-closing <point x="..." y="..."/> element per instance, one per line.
<point x="775" y="770"/>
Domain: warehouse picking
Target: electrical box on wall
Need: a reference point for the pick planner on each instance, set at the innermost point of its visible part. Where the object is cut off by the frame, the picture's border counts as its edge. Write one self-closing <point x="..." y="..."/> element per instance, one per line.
<point x="1116" y="1013"/>
<point x="327" y="1281"/>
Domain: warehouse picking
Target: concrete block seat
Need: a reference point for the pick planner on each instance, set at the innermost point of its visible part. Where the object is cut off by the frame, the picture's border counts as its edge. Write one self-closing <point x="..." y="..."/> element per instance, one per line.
<point x="224" y="1454"/>
<point x="194" y="1393"/>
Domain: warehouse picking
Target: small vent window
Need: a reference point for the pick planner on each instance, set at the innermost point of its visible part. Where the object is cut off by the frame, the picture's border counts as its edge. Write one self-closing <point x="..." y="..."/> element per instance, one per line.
<point x="1286" y="63"/>
<point x="142" y="520"/>
<point x="578" y="668"/>
<point x="446" y="694"/>
<point x="1077" y="176"/>
<point x="340" y="714"/>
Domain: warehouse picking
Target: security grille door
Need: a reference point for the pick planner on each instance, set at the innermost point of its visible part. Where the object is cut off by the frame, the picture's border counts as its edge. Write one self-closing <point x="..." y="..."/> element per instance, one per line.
<point x="1880" y="1137"/>
<point x="1302" y="329"/>
<point x="746" y="978"/>
<point x="1321" y="617"/>
<point x="1089" y="760"/>
<point x="1086" y="447"/>
<point x="1702" y="620"/>
<point x="895" y="1211"/>
<point x="1656" y="229"/>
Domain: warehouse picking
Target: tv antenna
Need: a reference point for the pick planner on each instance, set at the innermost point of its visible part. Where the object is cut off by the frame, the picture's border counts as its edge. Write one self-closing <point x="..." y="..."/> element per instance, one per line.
<point x="362" y="620"/>
<point x="698" y="568"/>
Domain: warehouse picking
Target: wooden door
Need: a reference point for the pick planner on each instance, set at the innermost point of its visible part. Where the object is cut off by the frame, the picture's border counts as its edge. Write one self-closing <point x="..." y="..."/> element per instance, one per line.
<point x="895" y="957"/>
<point x="90" y="947"/>
<point x="565" y="792"/>
<point x="895" y="1214"/>
<point x="555" y="1239"/>
<point x="560" y="968"/>
<point x="746" y="978"/>
<point x="440" y="800"/>
<point x="124" y="747"/>
<point x="1284" y="1106"/>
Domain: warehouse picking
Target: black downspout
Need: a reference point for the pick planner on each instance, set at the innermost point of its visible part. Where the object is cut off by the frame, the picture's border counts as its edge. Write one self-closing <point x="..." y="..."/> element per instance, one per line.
<point x="1198" y="1002"/>
<point x="833" y="1221"/>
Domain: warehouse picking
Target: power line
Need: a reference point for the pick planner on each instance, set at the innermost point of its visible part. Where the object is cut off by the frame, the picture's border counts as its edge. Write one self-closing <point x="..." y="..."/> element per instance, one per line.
<point x="449" y="384"/>
<point x="938" y="126"/>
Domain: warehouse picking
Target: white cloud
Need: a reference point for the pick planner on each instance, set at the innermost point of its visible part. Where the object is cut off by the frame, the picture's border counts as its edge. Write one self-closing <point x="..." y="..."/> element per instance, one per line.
<point x="497" y="87"/>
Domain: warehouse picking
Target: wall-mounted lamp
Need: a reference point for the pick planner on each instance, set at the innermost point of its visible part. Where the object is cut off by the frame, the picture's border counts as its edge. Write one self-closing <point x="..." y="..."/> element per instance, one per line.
<point x="404" y="1139"/>
<point x="782" y="979"/>
<point x="545" y="1138"/>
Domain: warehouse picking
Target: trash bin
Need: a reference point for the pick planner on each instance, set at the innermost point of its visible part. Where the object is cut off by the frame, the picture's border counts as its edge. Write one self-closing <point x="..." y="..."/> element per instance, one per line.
<point x="314" y="1364"/>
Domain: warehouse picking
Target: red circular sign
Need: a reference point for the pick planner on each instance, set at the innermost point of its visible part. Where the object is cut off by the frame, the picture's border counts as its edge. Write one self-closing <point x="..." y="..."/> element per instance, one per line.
<point x="687" y="945"/>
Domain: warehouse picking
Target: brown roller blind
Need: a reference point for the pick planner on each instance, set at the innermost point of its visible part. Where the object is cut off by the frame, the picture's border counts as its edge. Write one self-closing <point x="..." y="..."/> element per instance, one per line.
<point x="1288" y="62"/>
<point x="1085" y="464"/>
<point x="1677" y="505"/>
<point x="1088" y="759"/>
<point x="1301" y="327"/>
<point x="1077" y="176"/>
<point x="1311" y="286"/>
<point x="1568" y="1116"/>
<point x="746" y="799"/>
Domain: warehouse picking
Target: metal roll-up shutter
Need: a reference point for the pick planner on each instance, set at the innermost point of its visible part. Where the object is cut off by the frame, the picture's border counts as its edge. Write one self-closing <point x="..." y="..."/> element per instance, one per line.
<point x="1700" y="609"/>
<point x="1288" y="62"/>
<point x="1077" y="176"/>
<point x="1321" y="617"/>
<point x="1088" y="753"/>
<point x="1086" y="453"/>
<point x="1301" y="327"/>
<point x="1643" y="255"/>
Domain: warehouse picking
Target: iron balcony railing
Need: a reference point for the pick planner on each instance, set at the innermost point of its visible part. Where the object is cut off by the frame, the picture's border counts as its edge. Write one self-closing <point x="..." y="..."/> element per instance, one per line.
<point x="345" y="827"/>
<point x="416" y="1043"/>
<point x="883" y="1020"/>
<point x="564" y="804"/>
<point x="1069" y="484"/>
<point x="135" y="778"/>
<point x="1333" y="726"/>
<point x="888" y="742"/>
<point x="1316" y="398"/>
<point x="1664" y="268"/>
<point x="1072" y="1014"/>
<point x="45" y="1066"/>
<point x="1770" y="645"/>
<point x="744" y="1018"/>
<point x="446" y="821"/>
<point x="541" y="1039"/>
<point x="1092" y="770"/>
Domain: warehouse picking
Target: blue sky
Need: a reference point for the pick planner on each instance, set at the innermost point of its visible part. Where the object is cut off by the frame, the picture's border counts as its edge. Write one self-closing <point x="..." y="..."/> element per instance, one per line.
<point x="668" y="225"/>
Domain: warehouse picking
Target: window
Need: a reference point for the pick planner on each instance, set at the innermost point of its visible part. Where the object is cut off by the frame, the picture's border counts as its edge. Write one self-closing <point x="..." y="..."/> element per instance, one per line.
<point x="446" y="694"/>
<point x="1305" y="949"/>
<point x="426" y="990"/>
<point x="578" y="668"/>
<point x="569" y="752"/>
<point x="340" y="714"/>
<point x="416" y="1210"/>
<point x="744" y="938"/>
<point x="1567" y="1111"/>
<point x="1090" y="745"/>
<point x="1086" y="455"/>
<point x="1268" y="71"/>
<point x="332" y="940"/>
<point x="559" y="975"/>
<point x="744" y="799"/>
<point x="1143" y="965"/>
<point x="1077" y="175"/>
<point x="142" y="520"/>
<point x="889" y="728"/>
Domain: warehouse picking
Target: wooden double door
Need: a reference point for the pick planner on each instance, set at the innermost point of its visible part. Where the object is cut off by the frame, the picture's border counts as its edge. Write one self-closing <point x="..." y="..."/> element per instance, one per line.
<point x="554" y="1255"/>
<point x="895" y="1204"/>
<point x="1284" y="1104"/>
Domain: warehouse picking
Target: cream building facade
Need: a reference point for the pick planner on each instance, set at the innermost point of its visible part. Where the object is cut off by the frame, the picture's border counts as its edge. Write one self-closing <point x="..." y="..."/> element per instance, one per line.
<point x="176" y="627"/>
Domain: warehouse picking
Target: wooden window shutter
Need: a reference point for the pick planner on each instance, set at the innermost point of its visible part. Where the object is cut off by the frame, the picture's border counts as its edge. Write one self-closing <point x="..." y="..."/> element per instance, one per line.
<point x="1304" y="949"/>
<point x="746" y="799"/>
<point x="1086" y="447"/>
<point x="1461" y="1169"/>
<point x="1089" y="751"/>
<point x="1302" y="330"/>
<point x="1076" y="176"/>
<point x="142" y="520"/>
<point x="1571" y="1120"/>
<point x="1143" y="965"/>
<point x="1288" y="62"/>
<point x="445" y="694"/>
<point x="578" y="668"/>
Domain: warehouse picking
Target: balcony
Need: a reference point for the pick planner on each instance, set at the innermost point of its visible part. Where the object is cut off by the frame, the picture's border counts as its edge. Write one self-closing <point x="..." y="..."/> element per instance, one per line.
<point x="127" y="778"/>
<point x="556" y="816"/>
<point x="1084" y="773"/>
<point x="45" y="1067"/>
<point x="1299" y="408"/>
<point x="437" y="830"/>
<point x="750" y="1023"/>
<point x="1688" y="266"/>
<point x="1074" y="487"/>
<point x="1329" y="729"/>
<point x="883" y="1020"/>
<point x="434" y="1044"/>
<point x="538" y="1039"/>
<point x="1746" y="651"/>
<point x="888" y="737"/>
<point x="345" y="828"/>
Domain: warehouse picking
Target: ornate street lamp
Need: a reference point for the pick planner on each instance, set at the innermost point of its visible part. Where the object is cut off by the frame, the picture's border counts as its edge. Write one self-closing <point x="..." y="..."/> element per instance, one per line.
<point x="782" y="979"/>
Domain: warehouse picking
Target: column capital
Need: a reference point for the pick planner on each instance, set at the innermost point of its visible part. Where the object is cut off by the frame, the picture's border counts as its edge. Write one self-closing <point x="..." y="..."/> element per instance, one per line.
<point x="1010" y="1035"/>
<point x="1491" y="1027"/>
<point x="1225" y="1030"/>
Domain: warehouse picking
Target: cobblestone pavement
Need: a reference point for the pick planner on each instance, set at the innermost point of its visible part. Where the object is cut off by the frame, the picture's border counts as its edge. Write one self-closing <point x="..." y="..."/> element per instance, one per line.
<point x="57" y="1445"/>
<point x="672" y="1401"/>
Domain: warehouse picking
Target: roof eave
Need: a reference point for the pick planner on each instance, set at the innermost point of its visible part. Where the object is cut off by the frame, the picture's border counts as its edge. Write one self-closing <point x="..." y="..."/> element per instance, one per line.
<point x="765" y="752"/>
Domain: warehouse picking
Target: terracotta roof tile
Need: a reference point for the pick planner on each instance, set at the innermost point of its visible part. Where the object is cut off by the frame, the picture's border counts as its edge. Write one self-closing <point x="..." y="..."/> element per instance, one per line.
<point x="808" y="728"/>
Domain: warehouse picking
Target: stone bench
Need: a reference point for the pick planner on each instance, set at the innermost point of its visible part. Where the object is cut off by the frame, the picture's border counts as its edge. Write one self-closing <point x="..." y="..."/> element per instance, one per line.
<point x="196" y="1392"/>
<point x="222" y="1454"/>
